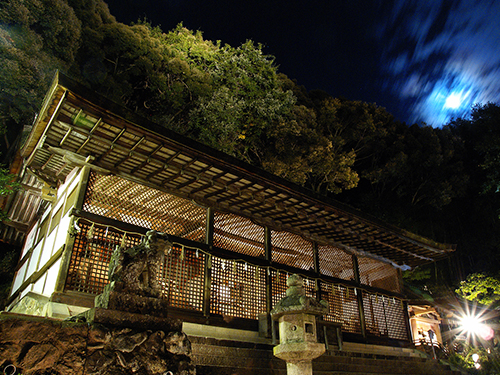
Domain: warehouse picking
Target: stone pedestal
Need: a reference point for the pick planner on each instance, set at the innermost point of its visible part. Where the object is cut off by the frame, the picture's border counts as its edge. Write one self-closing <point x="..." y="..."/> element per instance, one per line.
<point x="116" y="297"/>
<point x="137" y="336"/>
<point x="124" y="319"/>
<point x="296" y="314"/>
<point x="298" y="351"/>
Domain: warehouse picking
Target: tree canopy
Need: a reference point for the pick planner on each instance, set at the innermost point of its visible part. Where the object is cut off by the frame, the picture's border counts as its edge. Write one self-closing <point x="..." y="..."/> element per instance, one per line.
<point x="482" y="289"/>
<point x="438" y="182"/>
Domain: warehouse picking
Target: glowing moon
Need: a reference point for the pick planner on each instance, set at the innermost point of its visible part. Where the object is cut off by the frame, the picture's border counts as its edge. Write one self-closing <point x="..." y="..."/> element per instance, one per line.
<point x="453" y="101"/>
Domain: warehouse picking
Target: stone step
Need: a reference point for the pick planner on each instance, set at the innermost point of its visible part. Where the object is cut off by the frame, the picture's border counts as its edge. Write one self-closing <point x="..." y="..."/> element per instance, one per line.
<point x="378" y="364"/>
<point x="329" y="365"/>
<point x="206" y="370"/>
<point x="356" y="362"/>
<point x="340" y="357"/>
<point x="349" y="357"/>
<point x="315" y="372"/>
<point x="220" y="357"/>
<point x="237" y="362"/>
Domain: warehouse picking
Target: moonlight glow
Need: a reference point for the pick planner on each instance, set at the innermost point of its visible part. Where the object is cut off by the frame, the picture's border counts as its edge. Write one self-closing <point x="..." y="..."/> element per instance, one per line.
<point x="444" y="71"/>
<point x="448" y="98"/>
<point x="453" y="101"/>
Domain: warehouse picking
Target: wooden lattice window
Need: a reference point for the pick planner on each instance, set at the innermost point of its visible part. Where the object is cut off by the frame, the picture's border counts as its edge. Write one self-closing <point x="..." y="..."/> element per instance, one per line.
<point x="376" y="322"/>
<point x="335" y="262"/>
<point x="88" y="268"/>
<point x="378" y="274"/>
<point x="183" y="278"/>
<point x="292" y="250"/>
<point x="181" y="275"/>
<point x="396" y="319"/>
<point x="343" y="306"/>
<point x="238" y="234"/>
<point x="384" y="316"/>
<point x="238" y="289"/>
<point x="127" y="201"/>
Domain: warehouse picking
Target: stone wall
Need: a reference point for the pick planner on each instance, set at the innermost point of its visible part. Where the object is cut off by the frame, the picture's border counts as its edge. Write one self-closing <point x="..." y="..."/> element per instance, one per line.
<point x="45" y="346"/>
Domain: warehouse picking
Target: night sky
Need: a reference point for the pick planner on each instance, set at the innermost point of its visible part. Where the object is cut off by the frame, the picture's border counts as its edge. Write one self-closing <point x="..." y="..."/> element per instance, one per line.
<point x="424" y="61"/>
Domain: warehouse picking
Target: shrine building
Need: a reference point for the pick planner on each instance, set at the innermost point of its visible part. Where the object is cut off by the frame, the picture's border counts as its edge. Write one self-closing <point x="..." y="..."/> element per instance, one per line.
<point x="97" y="176"/>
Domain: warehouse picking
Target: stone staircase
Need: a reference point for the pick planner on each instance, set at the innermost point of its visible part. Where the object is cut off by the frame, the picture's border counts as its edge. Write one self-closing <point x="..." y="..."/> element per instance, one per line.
<point x="224" y="357"/>
<point x="228" y="357"/>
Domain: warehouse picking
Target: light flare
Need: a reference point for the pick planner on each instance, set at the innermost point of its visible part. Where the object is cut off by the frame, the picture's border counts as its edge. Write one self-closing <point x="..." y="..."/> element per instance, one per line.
<point x="473" y="325"/>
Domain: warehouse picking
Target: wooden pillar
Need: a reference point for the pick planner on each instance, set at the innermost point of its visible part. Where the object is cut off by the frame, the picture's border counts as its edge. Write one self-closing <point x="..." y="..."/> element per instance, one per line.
<point x="406" y="319"/>
<point x="317" y="270"/>
<point x="207" y="284"/>
<point x="359" y="296"/>
<point x="268" y="250"/>
<point x="269" y="279"/>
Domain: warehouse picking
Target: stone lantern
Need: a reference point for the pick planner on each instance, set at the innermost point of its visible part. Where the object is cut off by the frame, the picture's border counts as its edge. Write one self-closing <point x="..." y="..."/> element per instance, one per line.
<point x="296" y="314"/>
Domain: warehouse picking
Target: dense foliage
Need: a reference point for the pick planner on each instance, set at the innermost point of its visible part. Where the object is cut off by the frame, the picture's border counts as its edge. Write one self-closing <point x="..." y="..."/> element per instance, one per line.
<point x="437" y="182"/>
<point x="482" y="289"/>
<point x="8" y="261"/>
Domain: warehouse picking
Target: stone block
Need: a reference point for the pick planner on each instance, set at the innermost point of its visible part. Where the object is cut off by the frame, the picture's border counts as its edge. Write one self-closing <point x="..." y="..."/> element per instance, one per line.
<point x="119" y="318"/>
<point x="56" y="310"/>
<point x="115" y="297"/>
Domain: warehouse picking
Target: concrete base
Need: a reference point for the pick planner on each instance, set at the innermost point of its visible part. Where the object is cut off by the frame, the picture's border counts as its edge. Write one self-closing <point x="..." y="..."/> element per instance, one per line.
<point x="222" y="333"/>
<point x="299" y="368"/>
<point x="38" y="305"/>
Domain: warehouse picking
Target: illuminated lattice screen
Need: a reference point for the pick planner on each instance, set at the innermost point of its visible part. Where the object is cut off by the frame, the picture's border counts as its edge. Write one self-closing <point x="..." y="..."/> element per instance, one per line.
<point x="343" y="306"/>
<point x="376" y="323"/>
<point x="384" y="316"/>
<point x="238" y="234"/>
<point x="279" y="287"/>
<point x="127" y="201"/>
<point x="88" y="268"/>
<point x="181" y="275"/>
<point x="183" y="278"/>
<point x="335" y="262"/>
<point x="378" y="274"/>
<point x="238" y="289"/>
<point x="292" y="250"/>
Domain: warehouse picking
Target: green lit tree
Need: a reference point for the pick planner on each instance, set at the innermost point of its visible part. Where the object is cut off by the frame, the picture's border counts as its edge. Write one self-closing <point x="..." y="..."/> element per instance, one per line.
<point x="8" y="185"/>
<point x="230" y="98"/>
<point x="36" y="37"/>
<point x="8" y="254"/>
<point x="246" y="103"/>
<point x="482" y="289"/>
